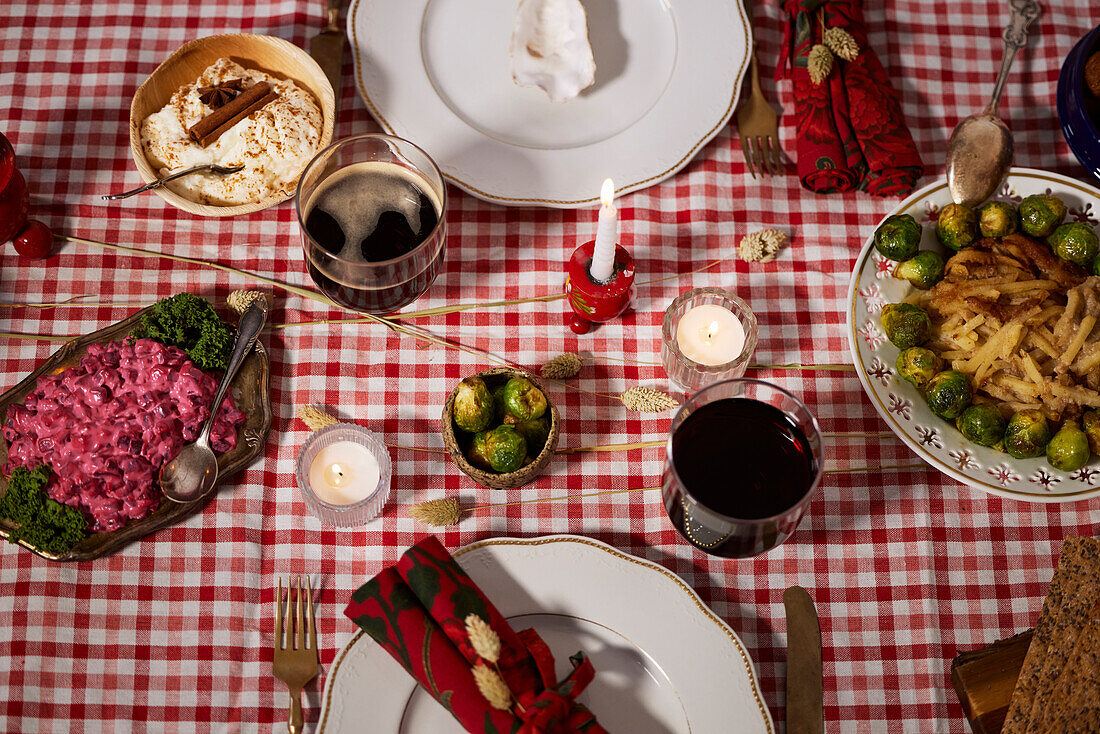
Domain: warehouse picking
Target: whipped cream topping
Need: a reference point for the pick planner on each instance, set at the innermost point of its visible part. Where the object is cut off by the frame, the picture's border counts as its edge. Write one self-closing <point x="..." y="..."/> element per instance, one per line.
<point x="274" y="144"/>
<point x="106" y="426"/>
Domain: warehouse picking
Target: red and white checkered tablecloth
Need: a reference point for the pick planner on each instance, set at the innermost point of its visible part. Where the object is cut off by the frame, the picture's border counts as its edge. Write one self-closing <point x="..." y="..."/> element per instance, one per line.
<point x="174" y="632"/>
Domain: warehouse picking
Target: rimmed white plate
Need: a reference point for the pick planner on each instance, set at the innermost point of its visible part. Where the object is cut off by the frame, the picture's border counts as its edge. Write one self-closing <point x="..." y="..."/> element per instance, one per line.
<point x="902" y="406"/>
<point x="438" y="73"/>
<point x="665" y="663"/>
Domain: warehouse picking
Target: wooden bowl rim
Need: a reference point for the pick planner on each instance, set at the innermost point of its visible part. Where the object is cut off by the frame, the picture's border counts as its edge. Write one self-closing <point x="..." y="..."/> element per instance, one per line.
<point x="325" y="98"/>
<point x="524" y="474"/>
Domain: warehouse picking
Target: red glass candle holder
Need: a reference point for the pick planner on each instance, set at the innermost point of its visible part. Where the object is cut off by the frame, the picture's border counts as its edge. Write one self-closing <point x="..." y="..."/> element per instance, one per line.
<point x="597" y="302"/>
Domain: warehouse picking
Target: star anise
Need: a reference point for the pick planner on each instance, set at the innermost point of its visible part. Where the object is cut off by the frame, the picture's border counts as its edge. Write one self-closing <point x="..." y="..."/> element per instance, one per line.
<point x="220" y="94"/>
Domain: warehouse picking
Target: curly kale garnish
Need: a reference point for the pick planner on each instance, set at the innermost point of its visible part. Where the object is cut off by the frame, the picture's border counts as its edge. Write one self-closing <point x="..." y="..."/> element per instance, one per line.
<point x="43" y="523"/>
<point x="190" y="323"/>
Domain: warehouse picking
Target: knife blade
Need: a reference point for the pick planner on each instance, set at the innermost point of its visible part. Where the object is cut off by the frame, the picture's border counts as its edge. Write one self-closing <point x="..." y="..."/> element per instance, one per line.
<point x="327" y="48"/>
<point x="805" y="702"/>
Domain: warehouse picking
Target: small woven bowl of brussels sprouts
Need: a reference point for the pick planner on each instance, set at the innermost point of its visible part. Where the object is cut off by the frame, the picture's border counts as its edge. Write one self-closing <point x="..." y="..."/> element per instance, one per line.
<point x="500" y="427"/>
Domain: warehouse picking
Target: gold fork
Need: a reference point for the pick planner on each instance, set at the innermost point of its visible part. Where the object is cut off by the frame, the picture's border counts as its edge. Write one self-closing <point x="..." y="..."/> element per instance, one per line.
<point x="295" y="663"/>
<point x="758" y="128"/>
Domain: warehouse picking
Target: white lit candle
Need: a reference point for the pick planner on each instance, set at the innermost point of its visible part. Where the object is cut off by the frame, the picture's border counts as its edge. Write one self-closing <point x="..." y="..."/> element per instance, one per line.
<point x="344" y="473"/>
<point x="607" y="231"/>
<point x="710" y="335"/>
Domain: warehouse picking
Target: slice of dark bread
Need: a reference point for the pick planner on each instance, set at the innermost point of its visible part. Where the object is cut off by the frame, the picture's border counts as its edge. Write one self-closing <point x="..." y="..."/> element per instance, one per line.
<point x="1059" y="644"/>
<point x="1073" y="704"/>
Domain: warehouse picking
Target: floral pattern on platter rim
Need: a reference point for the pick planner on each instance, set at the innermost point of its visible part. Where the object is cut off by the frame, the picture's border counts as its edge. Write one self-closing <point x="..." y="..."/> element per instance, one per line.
<point x="699" y="679"/>
<point x="903" y="407"/>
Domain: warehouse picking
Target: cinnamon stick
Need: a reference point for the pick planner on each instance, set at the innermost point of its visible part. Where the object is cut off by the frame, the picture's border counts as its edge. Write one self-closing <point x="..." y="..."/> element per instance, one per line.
<point x="213" y="126"/>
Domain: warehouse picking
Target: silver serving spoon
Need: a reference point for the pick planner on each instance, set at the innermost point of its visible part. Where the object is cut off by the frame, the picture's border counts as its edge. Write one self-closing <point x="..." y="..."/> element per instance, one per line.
<point x="194" y="471"/>
<point x="979" y="152"/>
<point x="221" y="170"/>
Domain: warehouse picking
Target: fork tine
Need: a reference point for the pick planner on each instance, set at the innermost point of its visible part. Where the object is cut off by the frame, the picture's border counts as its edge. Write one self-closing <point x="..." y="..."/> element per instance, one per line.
<point x="769" y="155"/>
<point x="777" y="157"/>
<point x="279" y="617"/>
<point x="288" y="639"/>
<point x="761" y="158"/>
<point x="309" y="616"/>
<point x="300" y="640"/>
<point x="745" y="148"/>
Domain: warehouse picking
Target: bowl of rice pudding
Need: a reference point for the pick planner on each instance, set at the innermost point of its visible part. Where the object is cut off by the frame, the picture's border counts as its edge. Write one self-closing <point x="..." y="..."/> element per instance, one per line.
<point x="273" y="143"/>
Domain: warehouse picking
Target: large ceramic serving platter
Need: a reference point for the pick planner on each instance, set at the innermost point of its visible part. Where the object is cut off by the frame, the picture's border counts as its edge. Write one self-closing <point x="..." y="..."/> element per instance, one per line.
<point x="665" y="663"/>
<point x="250" y="391"/>
<point x="902" y="406"/>
<point x="438" y="73"/>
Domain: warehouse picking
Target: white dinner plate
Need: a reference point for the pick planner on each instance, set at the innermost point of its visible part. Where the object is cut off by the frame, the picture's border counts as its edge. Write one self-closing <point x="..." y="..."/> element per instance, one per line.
<point x="438" y="72"/>
<point x="665" y="663"/>
<point x="902" y="406"/>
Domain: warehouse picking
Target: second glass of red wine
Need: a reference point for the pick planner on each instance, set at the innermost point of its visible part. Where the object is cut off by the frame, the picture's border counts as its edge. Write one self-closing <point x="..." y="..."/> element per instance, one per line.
<point x="743" y="461"/>
<point x="373" y="213"/>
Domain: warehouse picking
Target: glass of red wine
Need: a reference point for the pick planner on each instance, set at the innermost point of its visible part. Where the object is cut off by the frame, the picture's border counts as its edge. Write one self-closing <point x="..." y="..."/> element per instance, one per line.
<point x="743" y="461"/>
<point x="372" y="209"/>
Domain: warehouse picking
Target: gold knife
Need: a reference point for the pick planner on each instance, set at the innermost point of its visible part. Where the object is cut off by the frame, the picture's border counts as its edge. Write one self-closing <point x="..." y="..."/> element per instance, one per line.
<point x="805" y="702"/>
<point x="327" y="48"/>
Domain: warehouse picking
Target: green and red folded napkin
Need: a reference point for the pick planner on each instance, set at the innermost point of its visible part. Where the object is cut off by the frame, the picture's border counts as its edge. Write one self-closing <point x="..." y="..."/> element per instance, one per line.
<point x="850" y="127"/>
<point x="418" y="611"/>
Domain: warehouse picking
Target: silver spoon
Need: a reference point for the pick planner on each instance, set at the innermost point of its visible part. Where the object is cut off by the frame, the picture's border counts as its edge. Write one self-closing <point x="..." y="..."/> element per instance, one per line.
<point x="979" y="152"/>
<point x="221" y="170"/>
<point x="194" y="471"/>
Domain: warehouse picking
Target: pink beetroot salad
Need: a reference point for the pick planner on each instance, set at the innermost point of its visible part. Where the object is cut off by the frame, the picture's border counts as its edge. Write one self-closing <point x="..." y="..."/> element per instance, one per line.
<point x="107" y="425"/>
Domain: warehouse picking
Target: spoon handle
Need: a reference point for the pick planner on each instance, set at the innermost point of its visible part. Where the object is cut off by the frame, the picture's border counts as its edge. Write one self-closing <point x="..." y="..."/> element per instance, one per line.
<point x="171" y="177"/>
<point x="248" y="329"/>
<point x="1023" y="12"/>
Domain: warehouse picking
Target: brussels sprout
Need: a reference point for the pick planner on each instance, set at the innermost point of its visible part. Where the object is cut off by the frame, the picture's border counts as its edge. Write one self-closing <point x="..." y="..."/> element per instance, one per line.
<point x="983" y="424"/>
<point x="918" y="365"/>
<point x="1090" y="421"/>
<point x="523" y="399"/>
<point x="505" y="448"/>
<point x="1076" y="242"/>
<point x="1040" y="214"/>
<point x="997" y="219"/>
<point x="898" y="237"/>
<point x="948" y="394"/>
<point x="473" y="405"/>
<point x="923" y="270"/>
<point x="1026" y="434"/>
<point x="477" y="454"/>
<point x="535" y="432"/>
<point x="1096" y="265"/>
<point x="957" y="226"/>
<point x="1069" y="449"/>
<point x="905" y="325"/>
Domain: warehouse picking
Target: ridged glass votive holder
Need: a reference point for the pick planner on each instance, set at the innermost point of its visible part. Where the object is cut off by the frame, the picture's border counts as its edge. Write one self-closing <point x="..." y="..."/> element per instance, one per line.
<point x="688" y="374"/>
<point x="352" y="514"/>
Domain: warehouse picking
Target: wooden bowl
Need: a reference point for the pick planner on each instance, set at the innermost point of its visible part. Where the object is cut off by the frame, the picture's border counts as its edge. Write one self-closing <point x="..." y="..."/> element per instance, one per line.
<point x="277" y="57"/>
<point x="456" y="442"/>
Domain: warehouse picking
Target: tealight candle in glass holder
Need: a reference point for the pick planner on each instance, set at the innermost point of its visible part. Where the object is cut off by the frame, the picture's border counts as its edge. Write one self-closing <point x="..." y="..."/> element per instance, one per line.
<point x="709" y="334"/>
<point x="344" y="475"/>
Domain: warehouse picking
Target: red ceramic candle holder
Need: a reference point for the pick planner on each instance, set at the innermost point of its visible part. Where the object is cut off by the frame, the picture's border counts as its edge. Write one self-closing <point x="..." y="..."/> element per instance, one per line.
<point x="597" y="302"/>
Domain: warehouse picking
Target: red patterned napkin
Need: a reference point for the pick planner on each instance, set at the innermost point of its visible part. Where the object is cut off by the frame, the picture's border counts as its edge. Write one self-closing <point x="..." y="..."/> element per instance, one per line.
<point x="417" y="612"/>
<point x="851" y="131"/>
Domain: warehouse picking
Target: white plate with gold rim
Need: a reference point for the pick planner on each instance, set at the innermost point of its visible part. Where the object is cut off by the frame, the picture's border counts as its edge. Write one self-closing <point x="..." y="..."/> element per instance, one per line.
<point x="437" y="72"/>
<point x="665" y="663"/>
<point x="902" y="406"/>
